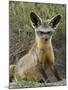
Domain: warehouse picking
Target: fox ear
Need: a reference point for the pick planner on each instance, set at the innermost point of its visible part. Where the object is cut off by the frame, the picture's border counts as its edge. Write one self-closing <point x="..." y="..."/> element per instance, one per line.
<point x="35" y="20"/>
<point x="54" y="21"/>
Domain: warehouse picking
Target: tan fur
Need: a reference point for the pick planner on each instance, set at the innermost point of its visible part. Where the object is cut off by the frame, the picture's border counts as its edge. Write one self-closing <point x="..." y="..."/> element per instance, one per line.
<point x="47" y="57"/>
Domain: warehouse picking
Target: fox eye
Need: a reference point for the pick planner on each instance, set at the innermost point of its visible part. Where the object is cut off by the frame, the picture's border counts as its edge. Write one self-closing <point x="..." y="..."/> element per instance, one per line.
<point x="40" y="32"/>
<point x="49" y="32"/>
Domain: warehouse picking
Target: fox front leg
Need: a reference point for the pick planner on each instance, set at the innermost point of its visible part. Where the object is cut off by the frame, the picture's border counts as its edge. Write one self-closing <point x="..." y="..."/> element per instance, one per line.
<point x="54" y="70"/>
<point x="43" y="72"/>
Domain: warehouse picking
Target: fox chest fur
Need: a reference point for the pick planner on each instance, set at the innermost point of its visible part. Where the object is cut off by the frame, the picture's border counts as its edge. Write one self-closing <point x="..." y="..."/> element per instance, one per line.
<point x="45" y="54"/>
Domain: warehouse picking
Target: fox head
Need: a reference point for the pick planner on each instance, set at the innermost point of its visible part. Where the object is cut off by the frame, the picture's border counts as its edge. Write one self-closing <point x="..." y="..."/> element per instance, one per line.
<point x="44" y="29"/>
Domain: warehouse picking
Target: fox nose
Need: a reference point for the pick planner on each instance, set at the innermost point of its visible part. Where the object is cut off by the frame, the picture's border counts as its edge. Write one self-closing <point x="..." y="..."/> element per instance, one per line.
<point x="46" y="39"/>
